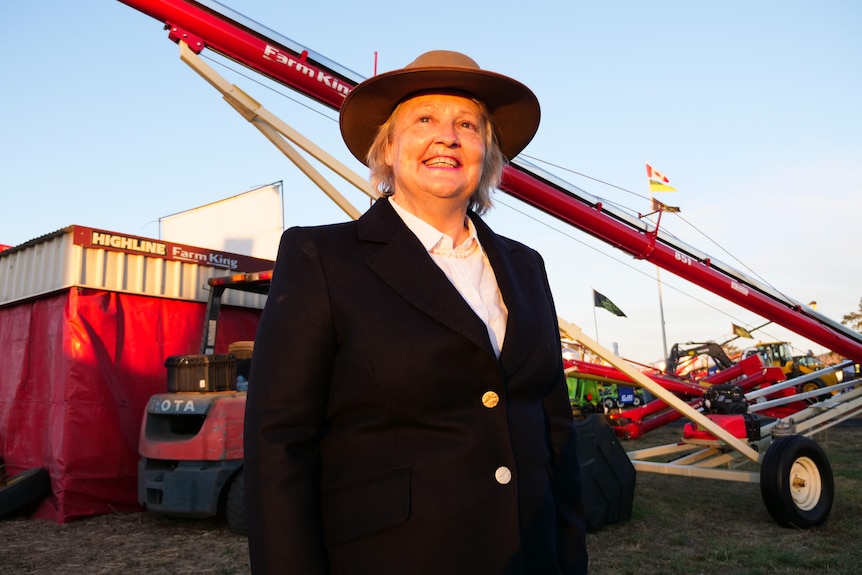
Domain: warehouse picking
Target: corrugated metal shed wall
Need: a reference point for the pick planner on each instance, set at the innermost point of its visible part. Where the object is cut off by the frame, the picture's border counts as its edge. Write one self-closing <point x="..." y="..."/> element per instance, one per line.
<point x="54" y="262"/>
<point x="38" y="267"/>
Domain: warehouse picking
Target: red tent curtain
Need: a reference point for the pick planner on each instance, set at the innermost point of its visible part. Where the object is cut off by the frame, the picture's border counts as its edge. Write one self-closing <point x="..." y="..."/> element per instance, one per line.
<point x="77" y="370"/>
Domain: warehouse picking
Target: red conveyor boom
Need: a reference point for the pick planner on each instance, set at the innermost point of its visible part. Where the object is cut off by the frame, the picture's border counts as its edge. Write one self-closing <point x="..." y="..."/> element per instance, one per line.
<point x="634" y="237"/>
<point x="208" y="24"/>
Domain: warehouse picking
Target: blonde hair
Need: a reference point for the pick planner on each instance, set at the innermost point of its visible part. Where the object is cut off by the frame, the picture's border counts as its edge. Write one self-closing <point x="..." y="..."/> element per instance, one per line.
<point x="492" y="168"/>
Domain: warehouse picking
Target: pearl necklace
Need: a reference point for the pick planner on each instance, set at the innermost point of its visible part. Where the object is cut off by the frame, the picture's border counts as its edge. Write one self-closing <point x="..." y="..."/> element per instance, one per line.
<point x="462" y="253"/>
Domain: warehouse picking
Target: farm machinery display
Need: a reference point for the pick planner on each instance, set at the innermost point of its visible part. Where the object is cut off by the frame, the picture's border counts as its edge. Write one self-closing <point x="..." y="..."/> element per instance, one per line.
<point x="794" y="473"/>
<point x="590" y="392"/>
<point x="780" y="354"/>
<point x="687" y="360"/>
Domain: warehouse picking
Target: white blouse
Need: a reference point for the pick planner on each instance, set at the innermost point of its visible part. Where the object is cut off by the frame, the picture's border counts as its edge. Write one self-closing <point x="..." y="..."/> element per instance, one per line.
<point x="469" y="270"/>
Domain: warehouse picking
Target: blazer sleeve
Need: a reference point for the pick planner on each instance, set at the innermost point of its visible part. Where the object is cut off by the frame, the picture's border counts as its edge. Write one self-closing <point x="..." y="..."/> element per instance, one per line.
<point x="285" y="414"/>
<point x="571" y="524"/>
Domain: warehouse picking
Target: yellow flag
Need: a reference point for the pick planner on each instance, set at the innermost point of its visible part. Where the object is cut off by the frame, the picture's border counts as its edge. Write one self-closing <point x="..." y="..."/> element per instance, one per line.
<point x="655" y="186"/>
<point x="740" y="331"/>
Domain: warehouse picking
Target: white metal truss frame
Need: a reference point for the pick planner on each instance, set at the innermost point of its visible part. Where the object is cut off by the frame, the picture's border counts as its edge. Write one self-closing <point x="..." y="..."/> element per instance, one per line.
<point x="281" y="135"/>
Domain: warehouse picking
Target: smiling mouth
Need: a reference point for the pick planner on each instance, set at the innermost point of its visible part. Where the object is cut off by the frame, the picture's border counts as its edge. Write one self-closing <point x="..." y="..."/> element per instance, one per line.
<point x="440" y="162"/>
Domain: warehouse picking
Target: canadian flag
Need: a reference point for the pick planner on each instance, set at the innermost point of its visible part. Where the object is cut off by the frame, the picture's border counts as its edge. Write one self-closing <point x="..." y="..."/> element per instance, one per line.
<point x="654" y="174"/>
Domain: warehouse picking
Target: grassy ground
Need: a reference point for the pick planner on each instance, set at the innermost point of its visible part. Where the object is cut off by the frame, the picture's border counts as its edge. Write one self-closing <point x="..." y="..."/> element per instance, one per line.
<point x="678" y="526"/>
<point x="699" y="526"/>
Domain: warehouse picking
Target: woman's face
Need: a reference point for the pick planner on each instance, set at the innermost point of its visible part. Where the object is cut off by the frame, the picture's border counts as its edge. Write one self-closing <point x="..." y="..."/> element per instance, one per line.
<point x="437" y="148"/>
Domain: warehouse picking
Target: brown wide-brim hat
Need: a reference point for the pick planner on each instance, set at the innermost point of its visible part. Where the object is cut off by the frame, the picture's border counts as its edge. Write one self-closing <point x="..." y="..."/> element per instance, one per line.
<point x="514" y="108"/>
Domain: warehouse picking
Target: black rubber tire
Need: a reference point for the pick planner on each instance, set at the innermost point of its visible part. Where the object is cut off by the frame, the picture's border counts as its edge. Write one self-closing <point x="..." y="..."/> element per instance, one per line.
<point x="637" y="401"/>
<point x="813" y="385"/>
<point x="235" y="505"/>
<point x="607" y="474"/>
<point x="24" y="489"/>
<point x="796" y="482"/>
<point x="609" y="403"/>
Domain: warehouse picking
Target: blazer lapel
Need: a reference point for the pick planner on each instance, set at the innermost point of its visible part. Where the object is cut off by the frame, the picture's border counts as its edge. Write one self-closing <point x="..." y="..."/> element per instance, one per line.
<point x="403" y="263"/>
<point x="515" y="278"/>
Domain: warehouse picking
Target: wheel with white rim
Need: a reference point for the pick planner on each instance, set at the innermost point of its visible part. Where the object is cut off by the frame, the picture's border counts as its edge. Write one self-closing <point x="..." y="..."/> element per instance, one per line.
<point x="796" y="482"/>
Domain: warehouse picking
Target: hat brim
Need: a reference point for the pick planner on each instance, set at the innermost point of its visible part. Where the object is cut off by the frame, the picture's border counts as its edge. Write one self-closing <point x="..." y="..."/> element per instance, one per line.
<point x="514" y="108"/>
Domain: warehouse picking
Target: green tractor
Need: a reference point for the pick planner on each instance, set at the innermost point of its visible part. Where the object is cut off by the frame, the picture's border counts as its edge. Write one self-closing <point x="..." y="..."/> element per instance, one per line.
<point x="585" y="395"/>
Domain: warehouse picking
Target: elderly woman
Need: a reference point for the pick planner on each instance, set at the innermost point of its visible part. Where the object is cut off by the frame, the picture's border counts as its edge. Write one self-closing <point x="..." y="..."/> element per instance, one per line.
<point x="407" y="410"/>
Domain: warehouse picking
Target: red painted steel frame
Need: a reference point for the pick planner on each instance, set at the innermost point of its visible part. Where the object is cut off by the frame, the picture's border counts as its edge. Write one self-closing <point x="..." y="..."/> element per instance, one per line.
<point x="579" y="368"/>
<point x="194" y="23"/>
<point x="239" y="42"/>
<point x="748" y="374"/>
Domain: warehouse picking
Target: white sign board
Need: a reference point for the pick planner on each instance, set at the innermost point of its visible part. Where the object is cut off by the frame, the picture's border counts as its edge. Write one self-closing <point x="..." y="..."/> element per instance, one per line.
<point x="248" y="224"/>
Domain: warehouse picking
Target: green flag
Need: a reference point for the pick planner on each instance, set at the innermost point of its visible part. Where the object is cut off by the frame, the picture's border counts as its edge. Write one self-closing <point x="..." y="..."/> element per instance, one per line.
<point x="602" y="301"/>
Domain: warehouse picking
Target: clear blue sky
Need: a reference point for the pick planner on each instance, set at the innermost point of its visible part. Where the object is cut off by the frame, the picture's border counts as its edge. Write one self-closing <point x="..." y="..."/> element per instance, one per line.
<point x="752" y="109"/>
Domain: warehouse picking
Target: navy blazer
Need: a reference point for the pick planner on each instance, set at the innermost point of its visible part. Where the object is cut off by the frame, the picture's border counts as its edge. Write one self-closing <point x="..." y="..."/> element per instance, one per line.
<point x="381" y="429"/>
